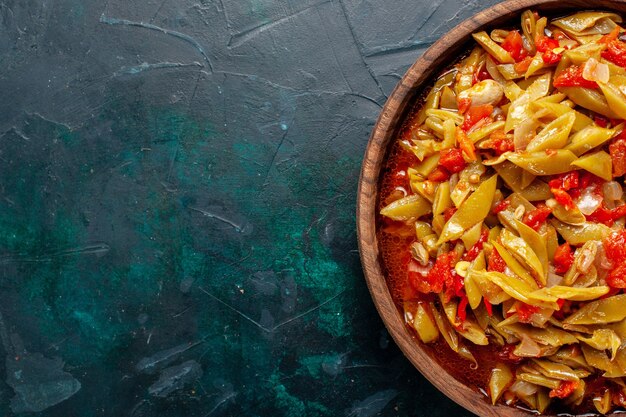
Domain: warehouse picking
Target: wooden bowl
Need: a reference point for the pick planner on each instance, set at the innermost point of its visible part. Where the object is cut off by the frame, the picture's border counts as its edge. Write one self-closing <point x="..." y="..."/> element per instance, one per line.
<point x="415" y="81"/>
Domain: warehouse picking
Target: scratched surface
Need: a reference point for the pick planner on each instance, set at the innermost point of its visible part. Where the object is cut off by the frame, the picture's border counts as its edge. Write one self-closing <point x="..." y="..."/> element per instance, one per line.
<point x="177" y="188"/>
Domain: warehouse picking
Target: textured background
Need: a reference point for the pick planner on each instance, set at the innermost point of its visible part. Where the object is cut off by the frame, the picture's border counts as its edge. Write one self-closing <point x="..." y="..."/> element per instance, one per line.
<point x="177" y="191"/>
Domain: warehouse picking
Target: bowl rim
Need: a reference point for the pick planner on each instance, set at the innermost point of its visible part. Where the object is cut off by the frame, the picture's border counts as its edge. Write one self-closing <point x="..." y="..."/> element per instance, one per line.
<point x="390" y="119"/>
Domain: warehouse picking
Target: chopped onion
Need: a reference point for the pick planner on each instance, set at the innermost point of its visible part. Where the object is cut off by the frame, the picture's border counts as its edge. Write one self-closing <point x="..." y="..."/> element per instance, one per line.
<point x="585" y="256"/>
<point x="612" y="190"/>
<point x="524" y="133"/>
<point x="602" y="262"/>
<point x="596" y="71"/>
<point x="528" y="348"/>
<point x="498" y="114"/>
<point x="523" y="388"/>
<point x="454" y="180"/>
<point x="553" y="279"/>
<point x="588" y="201"/>
<point x="540" y="318"/>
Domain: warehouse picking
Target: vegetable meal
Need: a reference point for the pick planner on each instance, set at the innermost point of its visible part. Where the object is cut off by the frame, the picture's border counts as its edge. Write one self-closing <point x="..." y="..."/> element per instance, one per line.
<point x="502" y="215"/>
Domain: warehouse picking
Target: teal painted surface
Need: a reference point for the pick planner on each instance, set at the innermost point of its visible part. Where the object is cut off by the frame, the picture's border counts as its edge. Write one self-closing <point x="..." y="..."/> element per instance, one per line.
<point x="177" y="221"/>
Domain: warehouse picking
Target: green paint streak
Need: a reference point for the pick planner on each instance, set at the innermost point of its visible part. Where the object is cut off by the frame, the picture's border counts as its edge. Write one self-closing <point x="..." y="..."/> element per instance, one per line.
<point x="314" y="270"/>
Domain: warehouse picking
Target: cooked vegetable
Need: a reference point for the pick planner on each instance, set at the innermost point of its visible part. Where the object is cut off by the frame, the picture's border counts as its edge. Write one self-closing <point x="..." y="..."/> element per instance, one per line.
<point x="607" y="310"/>
<point x="598" y="163"/>
<point x="407" y="208"/>
<point x="503" y="213"/>
<point x="544" y="163"/>
<point x="554" y="135"/>
<point x="472" y="211"/>
<point x="424" y="325"/>
<point x="501" y="378"/>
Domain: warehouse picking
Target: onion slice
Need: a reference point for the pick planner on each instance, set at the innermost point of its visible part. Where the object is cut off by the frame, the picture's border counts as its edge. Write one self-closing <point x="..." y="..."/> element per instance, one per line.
<point x="593" y="70"/>
<point x="589" y="201"/>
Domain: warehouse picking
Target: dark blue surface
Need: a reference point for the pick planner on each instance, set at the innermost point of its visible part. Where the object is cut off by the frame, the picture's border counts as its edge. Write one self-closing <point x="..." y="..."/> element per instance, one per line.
<point x="177" y="192"/>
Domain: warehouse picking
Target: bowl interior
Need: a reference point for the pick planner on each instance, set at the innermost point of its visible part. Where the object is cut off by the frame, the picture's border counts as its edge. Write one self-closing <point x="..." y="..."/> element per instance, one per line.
<point x="415" y="81"/>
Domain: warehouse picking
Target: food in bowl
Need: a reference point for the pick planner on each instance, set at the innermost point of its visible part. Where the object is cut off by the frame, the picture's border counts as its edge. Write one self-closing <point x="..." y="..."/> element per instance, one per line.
<point x="502" y="215"/>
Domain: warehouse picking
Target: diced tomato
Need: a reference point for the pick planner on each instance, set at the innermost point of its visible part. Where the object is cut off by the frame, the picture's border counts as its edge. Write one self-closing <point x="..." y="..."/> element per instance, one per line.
<point x="587" y="179"/>
<point x="501" y="206"/>
<point x="615" y="52"/>
<point x="475" y="114"/>
<point x="546" y="45"/>
<point x="439" y="174"/>
<point x="565" y="181"/>
<point x="471" y="254"/>
<point x="441" y="272"/>
<point x="499" y="142"/>
<point x="514" y="45"/>
<point x="466" y="145"/>
<point x="617" y="276"/>
<point x="617" y="149"/>
<point x="495" y="262"/>
<point x="462" y="309"/>
<point x="601" y="121"/>
<point x="506" y="354"/>
<point x="601" y="215"/>
<point x="463" y="104"/>
<point x="563" y="258"/>
<point x="452" y="160"/>
<point x="550" y="57"/>
<point x="522" y="66"/>
<point x="449" y="212"/>
<point x="537" y="217"/>
<point x="481" y="74"/>
<point x="573" y="77"/>
<point x="563" y="198"/>
<point x="560" y="302"/>
<point x="458" y="288"/>
<point x="525" y="312"/>
<point x="565" y="389"/>
<point x="615" y="247"/>
<point x="618" y="212"/>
